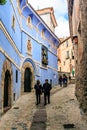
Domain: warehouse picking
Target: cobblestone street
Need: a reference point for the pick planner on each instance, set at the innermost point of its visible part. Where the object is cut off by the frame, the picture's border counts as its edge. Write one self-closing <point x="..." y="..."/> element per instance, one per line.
<point x="62" y="113"/>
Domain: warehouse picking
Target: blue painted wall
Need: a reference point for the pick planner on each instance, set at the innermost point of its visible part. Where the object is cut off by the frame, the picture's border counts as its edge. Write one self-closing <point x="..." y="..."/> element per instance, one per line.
<point x="19" y="35"/>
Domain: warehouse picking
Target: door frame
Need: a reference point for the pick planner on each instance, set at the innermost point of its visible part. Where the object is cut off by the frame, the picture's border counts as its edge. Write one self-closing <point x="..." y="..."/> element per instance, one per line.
<point x="7" y="66"/>
<point x="27" y="71"/>
<point x="24" y="66"/>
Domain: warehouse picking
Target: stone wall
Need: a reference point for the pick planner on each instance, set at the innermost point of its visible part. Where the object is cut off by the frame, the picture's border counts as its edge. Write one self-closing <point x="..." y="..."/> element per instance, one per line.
<point x="82" y="57"/>
<point x="81" y="64"/>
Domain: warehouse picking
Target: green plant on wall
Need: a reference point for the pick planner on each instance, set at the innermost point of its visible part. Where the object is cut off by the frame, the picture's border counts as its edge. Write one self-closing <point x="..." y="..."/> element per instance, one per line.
<point x="2" y="2"/>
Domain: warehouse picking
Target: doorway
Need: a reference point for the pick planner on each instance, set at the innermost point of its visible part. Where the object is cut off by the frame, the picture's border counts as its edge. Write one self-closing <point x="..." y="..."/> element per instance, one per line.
<point x="27" y="80"/>
<point x="7" y="89"/>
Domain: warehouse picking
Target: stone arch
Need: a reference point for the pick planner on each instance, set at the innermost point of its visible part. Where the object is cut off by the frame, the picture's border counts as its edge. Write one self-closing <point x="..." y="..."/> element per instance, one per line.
<point x="6" y="75"/>
<point x="32" y="78"/>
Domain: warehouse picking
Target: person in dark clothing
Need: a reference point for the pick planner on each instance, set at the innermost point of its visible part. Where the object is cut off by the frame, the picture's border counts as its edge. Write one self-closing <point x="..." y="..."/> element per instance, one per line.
<point x="46" y="89"/>
<point x="38" y="91"/>
<point x="64" y="80"/>
<point x="69" y="79"/>
<point x="60" y="81"/>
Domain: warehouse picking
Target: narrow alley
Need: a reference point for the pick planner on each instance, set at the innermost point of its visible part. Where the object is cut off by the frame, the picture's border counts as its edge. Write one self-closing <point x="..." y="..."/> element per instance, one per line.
<point x="62" y="113"/>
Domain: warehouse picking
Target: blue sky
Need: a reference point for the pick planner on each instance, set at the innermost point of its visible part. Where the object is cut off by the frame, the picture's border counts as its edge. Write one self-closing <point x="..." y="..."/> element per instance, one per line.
<point x="60" y="11"/>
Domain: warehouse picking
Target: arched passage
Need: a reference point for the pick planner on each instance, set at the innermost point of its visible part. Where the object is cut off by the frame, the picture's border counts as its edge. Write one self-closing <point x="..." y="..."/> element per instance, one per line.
<point x="6" y="85"/>
<point x="27" y="80"/>
<point x="7" y="90"/>
<point x="27" y="75"/>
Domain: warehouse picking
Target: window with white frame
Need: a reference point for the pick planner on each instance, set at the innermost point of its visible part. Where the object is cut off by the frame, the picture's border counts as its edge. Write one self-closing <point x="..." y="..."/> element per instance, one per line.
<point x="72" y="54"/>
<point x="42" y="34"/>
<point x="13" y="22"/>
<point x="67" y="54"/>
<point x="67" y="43"/>
<point x="29" y="21"/>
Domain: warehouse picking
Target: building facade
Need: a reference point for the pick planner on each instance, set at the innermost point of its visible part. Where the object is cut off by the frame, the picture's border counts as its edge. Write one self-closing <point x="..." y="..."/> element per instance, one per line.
<point x="66" y="63"/>
<point x="47" y="14"/>
<point x="28" y="51"/>
<point x="78" y="27"/>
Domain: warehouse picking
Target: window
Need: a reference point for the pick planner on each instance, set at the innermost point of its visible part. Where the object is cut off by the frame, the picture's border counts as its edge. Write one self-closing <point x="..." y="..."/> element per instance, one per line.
<point x="70" y="60"/>
<point x="67" y="55"/>
<point x="29" y="22"/>
<point x="16" y="76"/>
<point x="51" y="82"/>
<point x="14" y="94"/>
<point x="79" y="28"/>
<point x="13" y="22"/>
<point x="72" y="57"/>
<point x="60" y="68"/>
<point x="42" y="34"/>
<point x="59" y="60"/>
<point x="18" y="7"/>
<point x="44" y="55"/>
<point x="72" y="54"/>
<point x="66" y="43"/>
<point x="64" y="62"/>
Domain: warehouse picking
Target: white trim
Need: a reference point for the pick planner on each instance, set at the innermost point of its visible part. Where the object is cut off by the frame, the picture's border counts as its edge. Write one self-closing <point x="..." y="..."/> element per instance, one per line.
<point x="52" y="68"/>
<point x="37" y="41"/>
<point x="27" y="4"/>
<point x="9" y="38"/>
<point x="46" y="68"/>
<point x="30" y="35"/>
<point x="36" y="62"/>
<point x="15" y="13"/>
<point x="1" y="50"/>
<point x="55" y="47"/>
<point x="14" y="46"/>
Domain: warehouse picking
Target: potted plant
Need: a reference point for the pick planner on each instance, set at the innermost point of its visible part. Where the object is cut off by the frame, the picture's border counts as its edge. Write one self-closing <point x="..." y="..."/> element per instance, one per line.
<point x="2" y="2"/>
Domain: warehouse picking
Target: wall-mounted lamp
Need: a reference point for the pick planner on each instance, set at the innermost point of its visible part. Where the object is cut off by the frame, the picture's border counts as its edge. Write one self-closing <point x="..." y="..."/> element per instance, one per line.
<point x="75" y="39"/>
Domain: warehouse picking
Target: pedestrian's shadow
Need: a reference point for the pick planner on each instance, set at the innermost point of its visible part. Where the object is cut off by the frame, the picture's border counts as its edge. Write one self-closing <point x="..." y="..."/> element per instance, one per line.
<point x="39" y="118"/>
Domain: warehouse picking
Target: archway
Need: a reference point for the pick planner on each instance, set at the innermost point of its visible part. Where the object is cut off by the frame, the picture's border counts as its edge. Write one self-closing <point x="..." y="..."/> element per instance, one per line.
<point x="7" y="81"/>
<point x="27" y="77"/>
<point x="27" y="80"/>
<point x="7" y="86"/>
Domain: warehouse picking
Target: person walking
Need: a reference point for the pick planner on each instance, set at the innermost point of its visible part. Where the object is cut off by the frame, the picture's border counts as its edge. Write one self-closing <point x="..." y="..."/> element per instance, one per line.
<point x="38" y="91"/>
<point x="46" y="89"/>
<point x="60" y="81"/>
<point x="69" y="79"/>
<point x="64" y="80"/>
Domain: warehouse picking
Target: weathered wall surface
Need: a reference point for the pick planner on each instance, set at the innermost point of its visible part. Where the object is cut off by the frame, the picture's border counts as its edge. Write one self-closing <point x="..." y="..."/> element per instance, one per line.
<point x="78" y="24"/>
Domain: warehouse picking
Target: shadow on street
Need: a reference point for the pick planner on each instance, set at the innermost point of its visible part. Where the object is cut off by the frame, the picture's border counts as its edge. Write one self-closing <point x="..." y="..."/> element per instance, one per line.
<point x="39" y="118"/>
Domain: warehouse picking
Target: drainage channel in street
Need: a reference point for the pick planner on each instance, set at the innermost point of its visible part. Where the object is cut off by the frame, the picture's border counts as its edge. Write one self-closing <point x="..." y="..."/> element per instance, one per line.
<point x="39" y="118"/>
<point x="13" y="128"/>
<point x="68" y="126"/>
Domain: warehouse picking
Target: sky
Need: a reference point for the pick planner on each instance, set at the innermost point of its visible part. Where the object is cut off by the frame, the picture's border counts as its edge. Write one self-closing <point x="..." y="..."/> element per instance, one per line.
<point x="60" y="12"/>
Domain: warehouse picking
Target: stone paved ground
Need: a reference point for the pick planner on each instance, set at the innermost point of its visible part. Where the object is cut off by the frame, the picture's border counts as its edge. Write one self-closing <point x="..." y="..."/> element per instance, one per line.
<point x="63" y="111"/>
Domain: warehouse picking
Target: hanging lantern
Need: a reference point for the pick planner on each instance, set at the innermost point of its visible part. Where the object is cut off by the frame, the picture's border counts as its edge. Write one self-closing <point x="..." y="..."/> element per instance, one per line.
<point x="75" y="39"/>
<point x="2" y="2"/>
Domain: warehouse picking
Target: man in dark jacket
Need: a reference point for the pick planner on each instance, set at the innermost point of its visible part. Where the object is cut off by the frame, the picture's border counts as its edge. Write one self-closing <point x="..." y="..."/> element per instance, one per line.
<point x="46" y="89"/>
<point x="64" y="80"/>
<point x="38" y="90"/>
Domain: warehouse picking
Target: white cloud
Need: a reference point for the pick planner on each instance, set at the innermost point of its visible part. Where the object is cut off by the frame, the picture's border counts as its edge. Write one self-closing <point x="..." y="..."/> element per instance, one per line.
<point x="60" y="6"/>
<point x="60" y="10"/>
<point x="63" y="28"/>
<point x="39" y="3"/>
